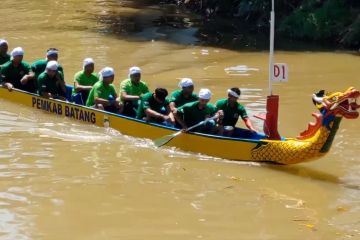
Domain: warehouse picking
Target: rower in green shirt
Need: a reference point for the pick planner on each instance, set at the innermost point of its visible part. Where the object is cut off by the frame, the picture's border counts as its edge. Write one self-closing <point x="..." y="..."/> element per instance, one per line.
<point x="51" y="83"/>
<point x="186" y="95"/>
<point x="15" y="73"/>
<point x="232" y="110"/>
<point x="103" y="94"/>
<point x="39" y="66"/>
<point x="154" y="107"/>
<point x="131" y="90"/>
<point x="85" y="79"/>
<point x="192" y="113"/>
<point x="4" y="56"/>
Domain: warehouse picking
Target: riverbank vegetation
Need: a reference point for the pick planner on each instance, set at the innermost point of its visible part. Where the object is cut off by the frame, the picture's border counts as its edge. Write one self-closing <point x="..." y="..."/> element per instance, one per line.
<point x="329" y="22"/>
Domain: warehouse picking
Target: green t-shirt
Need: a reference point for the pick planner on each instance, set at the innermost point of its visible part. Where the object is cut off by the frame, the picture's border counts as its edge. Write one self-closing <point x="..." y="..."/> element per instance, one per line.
<point x="50" y="85"/>
<point x="193" y="115"/>
<point x="131" y="89"/>
<point x="231" y="114"/>
<point x="99" y="90"/>
<point x="4" y="59"/>
<point x="178" y="98"/>
<point x="39" y="67"/>
<point x="13" y="75"/>
<point x="148" y="101"/>
<point x="82" y="79"/>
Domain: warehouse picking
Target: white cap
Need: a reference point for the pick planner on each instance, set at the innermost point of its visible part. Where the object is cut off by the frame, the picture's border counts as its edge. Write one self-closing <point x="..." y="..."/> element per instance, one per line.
<point x="134" y="70"/>
<point x="205" y="93"/>
<point x="3" y="41"/>
<point x="52" y="52"/>
<point x="186" y="82"/>
<point x="107" y="72"/>
<point x="88" y="61"/>
<point x="18" y="51"/>
<point x="52" y="65"/>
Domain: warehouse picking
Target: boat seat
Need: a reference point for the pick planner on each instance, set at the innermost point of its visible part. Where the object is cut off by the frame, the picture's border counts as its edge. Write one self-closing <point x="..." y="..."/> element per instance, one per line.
<point x="77" y="98"/>
<point x="74" y="98"/>
<point x="69" y="93"/>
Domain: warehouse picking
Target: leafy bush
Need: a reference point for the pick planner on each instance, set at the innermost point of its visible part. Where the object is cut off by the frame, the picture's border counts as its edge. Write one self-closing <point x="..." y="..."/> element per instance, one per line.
<point x="351" y="37"/>
<point x="317" y="22"/>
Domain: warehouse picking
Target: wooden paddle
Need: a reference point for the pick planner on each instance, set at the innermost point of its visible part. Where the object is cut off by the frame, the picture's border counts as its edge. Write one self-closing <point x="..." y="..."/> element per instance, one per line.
<point x="164" y="140"/>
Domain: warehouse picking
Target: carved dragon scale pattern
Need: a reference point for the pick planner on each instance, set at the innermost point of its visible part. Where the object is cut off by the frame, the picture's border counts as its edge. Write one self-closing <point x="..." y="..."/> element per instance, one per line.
<point x="317" y="139"/>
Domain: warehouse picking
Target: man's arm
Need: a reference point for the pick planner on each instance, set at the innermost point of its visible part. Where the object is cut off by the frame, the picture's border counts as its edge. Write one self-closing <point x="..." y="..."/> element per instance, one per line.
<point x="179" y="119"/>
<point x="170" y="114"/>
<point x="172" y="100"/>
<point x="28" y="75"/>
<point x="41" y="87"/>
<point x="126" y="97"/>
<point x="216" y="116"/>
<point x="25" y="79"/>
<point x="245" y="118"/>
<point x="153" y="114"/>
<point x="102" y="101"/>
<point x="4" y="80"/>
<point x="220" y="115"/>
<point x="60" y="81"/>
<point x="172" y="106"/>
<point x="79" y="87"/>
<point x="248" y="124"/>
<point x="106" y="102"/>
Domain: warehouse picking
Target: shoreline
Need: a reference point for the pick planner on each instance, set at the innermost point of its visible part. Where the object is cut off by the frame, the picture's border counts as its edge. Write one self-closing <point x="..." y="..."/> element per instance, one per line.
<point x="169" y="22"/>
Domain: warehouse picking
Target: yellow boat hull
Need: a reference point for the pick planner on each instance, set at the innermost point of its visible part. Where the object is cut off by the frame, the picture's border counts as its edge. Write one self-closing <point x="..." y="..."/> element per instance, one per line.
<point x="221" y="147"/>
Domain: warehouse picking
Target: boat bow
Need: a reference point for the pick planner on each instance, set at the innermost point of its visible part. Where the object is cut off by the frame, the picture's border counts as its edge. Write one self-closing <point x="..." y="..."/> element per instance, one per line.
<point x="316" y="141"/>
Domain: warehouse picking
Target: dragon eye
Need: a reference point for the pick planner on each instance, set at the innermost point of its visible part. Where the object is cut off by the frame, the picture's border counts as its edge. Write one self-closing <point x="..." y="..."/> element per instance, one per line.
<point x="335" y="98"/>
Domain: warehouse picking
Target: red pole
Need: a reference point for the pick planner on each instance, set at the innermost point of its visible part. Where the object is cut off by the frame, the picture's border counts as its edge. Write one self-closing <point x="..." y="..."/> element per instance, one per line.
<point x="271" y="121"/>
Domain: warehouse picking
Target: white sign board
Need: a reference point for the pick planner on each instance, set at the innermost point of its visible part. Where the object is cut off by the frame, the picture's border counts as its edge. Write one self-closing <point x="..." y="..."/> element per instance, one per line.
<point x="280" y="73"/>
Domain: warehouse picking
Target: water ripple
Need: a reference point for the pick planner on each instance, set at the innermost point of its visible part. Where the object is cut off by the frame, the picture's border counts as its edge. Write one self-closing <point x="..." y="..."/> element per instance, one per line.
<point x="13" y="197"/>
<point x="12" y="225"/>
<point x="240" y="70"/>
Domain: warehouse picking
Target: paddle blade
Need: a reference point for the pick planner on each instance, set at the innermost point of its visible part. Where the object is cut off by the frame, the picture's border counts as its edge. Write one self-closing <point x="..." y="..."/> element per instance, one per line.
<point x="164" y="140"/>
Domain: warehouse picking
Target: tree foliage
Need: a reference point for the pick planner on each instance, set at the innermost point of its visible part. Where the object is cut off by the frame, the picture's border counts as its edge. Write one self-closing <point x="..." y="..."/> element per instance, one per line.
<point x="334" y="21"/>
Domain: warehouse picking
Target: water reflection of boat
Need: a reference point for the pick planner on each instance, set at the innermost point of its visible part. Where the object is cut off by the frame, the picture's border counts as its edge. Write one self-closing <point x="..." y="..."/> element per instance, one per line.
<point x="244" y="146"/>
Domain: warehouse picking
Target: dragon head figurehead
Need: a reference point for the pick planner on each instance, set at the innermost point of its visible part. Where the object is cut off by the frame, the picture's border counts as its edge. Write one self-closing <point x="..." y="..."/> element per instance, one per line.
<point x="340" y="104"/>
<point x="317" y="139"/>
<point x="333" y="107"/>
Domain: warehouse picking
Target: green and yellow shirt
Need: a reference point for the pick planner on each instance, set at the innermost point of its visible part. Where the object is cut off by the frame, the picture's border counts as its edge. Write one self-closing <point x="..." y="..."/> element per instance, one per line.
<point x="133" y="89"/>
<point x="13" y="75"/>
<point x="82" y="79"/>
<point x="231" y="114"/>
<point x="99" y="90"/>
<point x="178" y="98"/>
<point x="50" y="85"/>
<point x="193" y="115"/>
<point x="39" y="67"/>
<point x="148" y="101"/>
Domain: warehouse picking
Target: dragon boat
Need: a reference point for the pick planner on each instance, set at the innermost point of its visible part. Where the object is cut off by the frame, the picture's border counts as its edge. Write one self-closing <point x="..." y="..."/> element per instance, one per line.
<point x="245" y="145"/>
